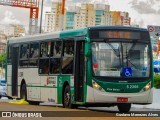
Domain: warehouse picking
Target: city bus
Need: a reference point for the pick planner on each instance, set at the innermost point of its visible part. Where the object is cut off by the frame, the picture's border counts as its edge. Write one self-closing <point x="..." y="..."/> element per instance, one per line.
<point x="92" y="66"/>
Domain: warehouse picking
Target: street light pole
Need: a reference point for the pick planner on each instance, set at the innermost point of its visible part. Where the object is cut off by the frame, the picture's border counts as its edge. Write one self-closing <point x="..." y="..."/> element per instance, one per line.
<point x="40" y="30"/>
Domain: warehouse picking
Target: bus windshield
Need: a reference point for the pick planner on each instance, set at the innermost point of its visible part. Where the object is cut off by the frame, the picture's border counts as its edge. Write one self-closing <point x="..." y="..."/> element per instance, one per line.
<point x="120" y="59"/>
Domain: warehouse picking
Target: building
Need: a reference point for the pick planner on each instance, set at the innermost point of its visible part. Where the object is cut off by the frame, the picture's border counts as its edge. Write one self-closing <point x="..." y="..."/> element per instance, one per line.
<point x="14" y="30"/>
<point x="84" y="16"/>
<point x="99" y="17"/>
<point x="3" y="42"/>
<point x="134" y="25"/>
<point x="69" y="17"/>
<point x="52" y="19"/>
<point x="9" y="31"/>
<point x="116" y="18"/>
<point x="120" y="18"/>
<point x="19" y="30"/>
<point x="77" y="18"/>
<point x="125" y="19"/>
<point x="103" y="16"/>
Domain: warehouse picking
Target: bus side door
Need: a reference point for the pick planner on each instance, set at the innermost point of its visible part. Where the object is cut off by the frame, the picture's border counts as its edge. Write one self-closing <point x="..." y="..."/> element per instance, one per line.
<point x="15" y="54"/>
<point x="79" y="71"/>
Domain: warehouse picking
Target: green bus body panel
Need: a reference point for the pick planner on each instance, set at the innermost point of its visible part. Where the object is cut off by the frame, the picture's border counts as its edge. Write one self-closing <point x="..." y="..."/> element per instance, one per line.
<point x="61" y="81"/>
<point x="152" y="75"/>
<point x="116" y="87"/>
<point x="74" y="33"/>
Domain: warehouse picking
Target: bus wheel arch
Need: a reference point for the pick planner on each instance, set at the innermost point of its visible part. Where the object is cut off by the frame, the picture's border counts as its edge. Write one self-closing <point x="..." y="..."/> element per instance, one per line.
<point x="23" y="90"/>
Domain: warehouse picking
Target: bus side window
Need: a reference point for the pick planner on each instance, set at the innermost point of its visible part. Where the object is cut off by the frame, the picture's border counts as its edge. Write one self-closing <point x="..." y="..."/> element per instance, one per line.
<point x="52" y="49"/>
<point x="34" y="54"/>
<point x="34" y="50"/>
<point x="24" y="51"/>
<point x="43" y="66"/>
<point x="57" y="49"/>
<point x="44" y="58"/>
<point x="55" y="57"/>
<point x="44" y="49"/>
<point x="55" y="65"/>
<point x="24" y="55"/>
<point x="67" y="58"/>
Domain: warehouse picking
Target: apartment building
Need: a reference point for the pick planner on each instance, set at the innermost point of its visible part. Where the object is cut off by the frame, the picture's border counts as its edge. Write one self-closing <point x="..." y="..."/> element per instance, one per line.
<point x="126" y="20"/>
<point x="14" y="30"/>
<point x="52" y="19"/>
<point x="84" y="16"/>
<point x="102" y="16"/>
<point x="69" y="19"/>
<point x="120" y="18"/>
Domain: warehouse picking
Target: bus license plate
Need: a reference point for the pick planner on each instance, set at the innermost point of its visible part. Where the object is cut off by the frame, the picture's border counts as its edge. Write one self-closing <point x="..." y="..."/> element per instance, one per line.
<point x="122" y="99"/>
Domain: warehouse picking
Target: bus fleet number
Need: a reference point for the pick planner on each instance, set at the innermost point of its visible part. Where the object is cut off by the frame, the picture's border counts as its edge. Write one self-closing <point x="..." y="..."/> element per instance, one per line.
<point x="132" y="86"/>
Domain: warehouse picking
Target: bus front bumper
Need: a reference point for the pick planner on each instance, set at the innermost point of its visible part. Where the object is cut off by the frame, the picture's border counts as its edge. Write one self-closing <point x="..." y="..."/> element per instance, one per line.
<point x="97" y="96"/>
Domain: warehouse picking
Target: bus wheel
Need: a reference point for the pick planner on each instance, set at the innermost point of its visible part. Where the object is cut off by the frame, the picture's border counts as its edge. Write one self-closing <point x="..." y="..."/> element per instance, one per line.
<point x="124" y="107"/>
<point x="66" y="97"/>
<point x="23" y="93"/>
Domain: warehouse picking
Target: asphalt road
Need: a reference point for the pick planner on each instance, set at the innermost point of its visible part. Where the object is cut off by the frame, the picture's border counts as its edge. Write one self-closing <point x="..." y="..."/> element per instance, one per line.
<point x="59" y="113"/>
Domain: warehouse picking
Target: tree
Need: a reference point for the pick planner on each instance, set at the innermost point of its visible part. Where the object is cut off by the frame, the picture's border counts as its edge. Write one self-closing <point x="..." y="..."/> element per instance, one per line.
<point x="2" y="59"/>
<point x="157" y="81"/>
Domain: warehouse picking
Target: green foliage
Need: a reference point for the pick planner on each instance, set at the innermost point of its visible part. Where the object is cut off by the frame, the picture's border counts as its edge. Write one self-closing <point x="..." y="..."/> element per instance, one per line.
<point x="157" y="80"/>
<point x="2" y="59"/>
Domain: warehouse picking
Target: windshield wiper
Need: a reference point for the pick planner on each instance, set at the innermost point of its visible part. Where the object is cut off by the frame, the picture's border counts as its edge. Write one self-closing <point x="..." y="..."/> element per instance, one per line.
<point x="114" y="50"/>
<point x="132" y="64"/>
<point x="127" y="55"/>
<point x="117" y="53"/>
<point x="131" y="48"/>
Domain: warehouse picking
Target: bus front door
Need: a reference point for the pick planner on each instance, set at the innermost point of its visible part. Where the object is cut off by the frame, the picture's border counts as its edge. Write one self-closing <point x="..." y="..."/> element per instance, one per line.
<point x="15" y="54"/>
<point x="79" y="71"/>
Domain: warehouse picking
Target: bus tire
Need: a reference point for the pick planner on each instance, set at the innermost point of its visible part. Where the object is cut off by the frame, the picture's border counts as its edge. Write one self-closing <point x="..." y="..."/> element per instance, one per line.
<point x="33" y="102"/>
<point x="67" y="98"/>
<point x="23" y="92"/>
<point x="124" y="107"/>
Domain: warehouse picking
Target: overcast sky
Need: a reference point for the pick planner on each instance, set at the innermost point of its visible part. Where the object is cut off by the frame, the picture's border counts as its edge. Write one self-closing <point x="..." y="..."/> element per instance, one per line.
<point x="142" y="12"/>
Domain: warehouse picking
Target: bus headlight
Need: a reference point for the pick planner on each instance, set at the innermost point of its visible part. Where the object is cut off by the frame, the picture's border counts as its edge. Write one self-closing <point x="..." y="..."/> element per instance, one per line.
<point x="97" y="87"/>
<point x="147" y="87"/>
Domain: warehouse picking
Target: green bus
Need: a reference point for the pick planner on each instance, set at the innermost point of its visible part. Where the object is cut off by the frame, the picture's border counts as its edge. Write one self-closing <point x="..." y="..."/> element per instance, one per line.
<point x="92" y="66"/>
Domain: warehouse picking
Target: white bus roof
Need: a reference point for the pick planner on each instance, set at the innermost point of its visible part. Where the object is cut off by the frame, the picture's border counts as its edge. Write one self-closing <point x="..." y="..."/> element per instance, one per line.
<point x="36" y="37"/>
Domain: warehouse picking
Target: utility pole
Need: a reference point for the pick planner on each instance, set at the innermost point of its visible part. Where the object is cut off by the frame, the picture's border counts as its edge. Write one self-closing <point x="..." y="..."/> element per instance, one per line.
<point x="40" y="30"/>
